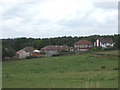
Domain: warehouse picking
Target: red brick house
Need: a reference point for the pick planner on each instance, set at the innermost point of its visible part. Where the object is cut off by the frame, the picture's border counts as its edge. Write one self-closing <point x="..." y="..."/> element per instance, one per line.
<point x="104" y="42"/>
<point x="83" y="45"/>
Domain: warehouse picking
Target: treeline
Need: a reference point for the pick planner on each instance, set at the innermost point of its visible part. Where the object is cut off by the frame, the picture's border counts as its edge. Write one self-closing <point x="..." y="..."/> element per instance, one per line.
<point x="16" y="44"/>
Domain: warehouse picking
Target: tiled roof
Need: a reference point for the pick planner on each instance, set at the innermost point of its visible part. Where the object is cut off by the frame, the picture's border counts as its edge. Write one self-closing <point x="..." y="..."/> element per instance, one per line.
<point x="83" y="42"/>
<point x="55" y="47"/>
<point x="29" y="48"/>
<point x="20" y="51"/>
<point x="106" y="40"/>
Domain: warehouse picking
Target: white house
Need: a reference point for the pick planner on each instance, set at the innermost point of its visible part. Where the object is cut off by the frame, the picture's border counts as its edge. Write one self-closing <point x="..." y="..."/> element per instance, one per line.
<point x="104" y="43"/>
<point x="21" y="54"/>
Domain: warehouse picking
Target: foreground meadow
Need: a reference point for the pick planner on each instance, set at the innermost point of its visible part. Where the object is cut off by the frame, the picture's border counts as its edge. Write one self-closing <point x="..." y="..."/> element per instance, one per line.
<point x="72" y="71"/>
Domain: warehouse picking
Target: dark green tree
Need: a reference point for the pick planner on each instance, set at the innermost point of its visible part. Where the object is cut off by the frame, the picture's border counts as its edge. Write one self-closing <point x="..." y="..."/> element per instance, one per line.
<point x="8" y="52"/>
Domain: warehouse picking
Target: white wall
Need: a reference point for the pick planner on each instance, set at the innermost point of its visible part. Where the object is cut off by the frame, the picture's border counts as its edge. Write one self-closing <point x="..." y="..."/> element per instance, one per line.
<point x="107" y="44"/>
<point x="23" y="55"/>
<point x="103" y="45"/>
<point x="51" y="52"/>
<point x="97" y="42"/>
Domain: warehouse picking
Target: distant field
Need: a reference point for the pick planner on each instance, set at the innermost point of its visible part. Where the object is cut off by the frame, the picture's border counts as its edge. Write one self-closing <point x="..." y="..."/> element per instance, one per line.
<point x="114" y="52"/>
<point x="74" y="71"/>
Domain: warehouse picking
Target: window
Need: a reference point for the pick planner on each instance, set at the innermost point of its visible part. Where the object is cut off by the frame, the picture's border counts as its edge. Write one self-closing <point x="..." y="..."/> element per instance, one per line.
<point x="80" y="45"/>
<point x="89" y="45"/>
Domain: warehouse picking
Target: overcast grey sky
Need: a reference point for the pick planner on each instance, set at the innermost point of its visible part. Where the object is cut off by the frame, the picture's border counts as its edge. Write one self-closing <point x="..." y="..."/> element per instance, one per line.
<point x="53" y="18"/>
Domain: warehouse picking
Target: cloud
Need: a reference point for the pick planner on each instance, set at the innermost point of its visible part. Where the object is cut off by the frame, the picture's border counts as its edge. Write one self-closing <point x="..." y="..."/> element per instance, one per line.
<point x="106" y="5"/>
<point x="49" y="18"/>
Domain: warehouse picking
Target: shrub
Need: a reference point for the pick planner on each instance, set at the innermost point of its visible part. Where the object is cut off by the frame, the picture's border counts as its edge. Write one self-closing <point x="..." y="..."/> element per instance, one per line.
<point x="96" y="49"/>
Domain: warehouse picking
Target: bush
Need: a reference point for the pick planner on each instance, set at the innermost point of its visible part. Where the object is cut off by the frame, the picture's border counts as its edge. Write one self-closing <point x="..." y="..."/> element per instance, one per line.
<point x="96" y="49"/>
<point x="93" y="48"/>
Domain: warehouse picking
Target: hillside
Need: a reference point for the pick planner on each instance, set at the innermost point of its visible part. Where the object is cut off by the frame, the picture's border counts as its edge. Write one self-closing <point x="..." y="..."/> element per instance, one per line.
<point x="74" y="71"/>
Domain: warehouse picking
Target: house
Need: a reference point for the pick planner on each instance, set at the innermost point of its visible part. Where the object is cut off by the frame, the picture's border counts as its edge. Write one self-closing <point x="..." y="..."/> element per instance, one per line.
<point x="22" y="54"/>
<point x="35" y="53"/>
<point x="83" y="45"/>
<point x="104" y="42"/>
<point x="54" y="49"/>
<point x="25" y="52"/>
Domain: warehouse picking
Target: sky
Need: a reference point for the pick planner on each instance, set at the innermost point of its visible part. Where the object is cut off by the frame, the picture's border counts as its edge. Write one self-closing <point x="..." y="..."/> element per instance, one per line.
<point x="56" y="18"/>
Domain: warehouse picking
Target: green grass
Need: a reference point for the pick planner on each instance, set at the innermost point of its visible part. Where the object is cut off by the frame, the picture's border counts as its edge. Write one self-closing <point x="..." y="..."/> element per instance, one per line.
<point x="113" y="52"/>
<point x="72" y="71"/>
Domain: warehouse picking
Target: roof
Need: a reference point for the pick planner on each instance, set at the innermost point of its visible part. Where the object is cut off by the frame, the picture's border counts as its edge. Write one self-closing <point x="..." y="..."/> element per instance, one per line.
<point x="29" y="48"/>
<point x="36" y="51"/>
<point x="106" y="40"/>
<point x="55" y="47"/>
<point x="83" y="42"/>
<point x="20" y="51"/>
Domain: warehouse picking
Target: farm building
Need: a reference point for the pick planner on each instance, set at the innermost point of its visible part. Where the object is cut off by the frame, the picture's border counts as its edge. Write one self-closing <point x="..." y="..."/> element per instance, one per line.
<point x="104" y="43"/>
<point x="83" y="45"/>
<point x="54" y="49"/>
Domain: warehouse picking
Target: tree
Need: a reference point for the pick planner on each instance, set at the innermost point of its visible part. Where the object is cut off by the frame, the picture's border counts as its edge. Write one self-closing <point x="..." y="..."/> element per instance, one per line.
<point x="8" y="52"/>
<point x="11" y="52"/>
<point x="20" y="43"/>
<point x="117" y="41"/>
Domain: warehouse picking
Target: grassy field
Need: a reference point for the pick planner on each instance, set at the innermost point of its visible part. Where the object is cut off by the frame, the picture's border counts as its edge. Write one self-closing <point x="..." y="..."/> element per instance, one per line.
<point x="113" y="52"/>
<point x="72" y="71"/>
